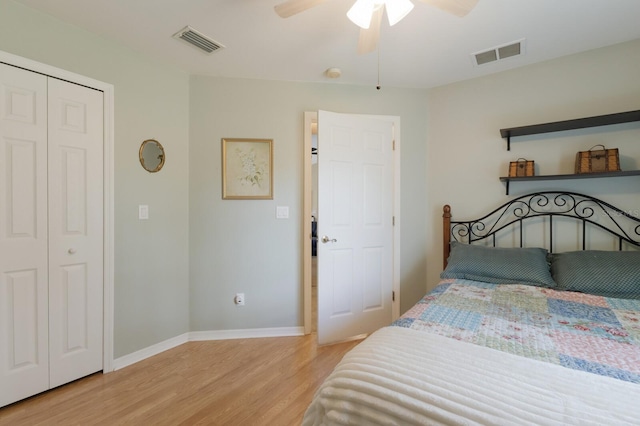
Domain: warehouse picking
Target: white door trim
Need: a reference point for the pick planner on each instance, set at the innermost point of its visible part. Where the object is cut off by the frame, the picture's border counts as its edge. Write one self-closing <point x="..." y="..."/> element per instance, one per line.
<point x="108" y="120"/>
<point x="311" y="117"/>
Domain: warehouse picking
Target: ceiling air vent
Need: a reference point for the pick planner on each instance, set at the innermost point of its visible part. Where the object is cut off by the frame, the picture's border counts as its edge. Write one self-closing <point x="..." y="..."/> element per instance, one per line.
<point x="197" y="39"/>
<point x="498" y="53"/>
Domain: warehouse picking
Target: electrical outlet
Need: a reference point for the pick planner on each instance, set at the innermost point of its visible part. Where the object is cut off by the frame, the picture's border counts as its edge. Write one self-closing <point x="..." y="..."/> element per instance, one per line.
<point x="239" y="299"/>
<point x="282" y="212"/>
<point x="143" y="212"/>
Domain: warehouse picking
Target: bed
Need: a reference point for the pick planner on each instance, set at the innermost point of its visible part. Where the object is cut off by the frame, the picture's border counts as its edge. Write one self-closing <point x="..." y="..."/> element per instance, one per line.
<point x="514" y="333"/>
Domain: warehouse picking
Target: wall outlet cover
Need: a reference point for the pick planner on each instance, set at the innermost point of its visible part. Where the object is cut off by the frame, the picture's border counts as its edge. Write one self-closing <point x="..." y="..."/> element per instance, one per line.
<point x="282" y="212"/>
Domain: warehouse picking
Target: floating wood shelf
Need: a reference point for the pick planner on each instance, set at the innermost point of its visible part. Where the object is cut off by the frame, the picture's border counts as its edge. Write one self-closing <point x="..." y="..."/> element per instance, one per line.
<point x="579" y="123"/>
<point x="507" y="179"/>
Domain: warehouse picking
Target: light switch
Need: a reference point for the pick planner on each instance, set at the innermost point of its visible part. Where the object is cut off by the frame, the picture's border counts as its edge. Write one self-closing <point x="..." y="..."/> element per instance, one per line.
<point x="143" y="212"/>
<point x="282" y="212"/>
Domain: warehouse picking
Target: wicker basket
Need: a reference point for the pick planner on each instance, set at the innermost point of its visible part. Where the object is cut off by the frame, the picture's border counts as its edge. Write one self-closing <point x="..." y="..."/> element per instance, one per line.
<point x="521" y="167"/>
<point x="597" y="161"/>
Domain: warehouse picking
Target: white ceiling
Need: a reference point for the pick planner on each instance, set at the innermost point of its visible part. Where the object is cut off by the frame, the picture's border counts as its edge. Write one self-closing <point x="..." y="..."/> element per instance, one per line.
<point x="428" y="48"/>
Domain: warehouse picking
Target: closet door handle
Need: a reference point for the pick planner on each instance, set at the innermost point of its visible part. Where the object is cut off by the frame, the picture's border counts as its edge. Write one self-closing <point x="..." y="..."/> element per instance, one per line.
<point x="71" y="251"/>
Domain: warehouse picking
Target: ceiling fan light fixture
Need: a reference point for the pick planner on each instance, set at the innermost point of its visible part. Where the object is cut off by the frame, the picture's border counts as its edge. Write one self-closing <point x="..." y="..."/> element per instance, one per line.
<point x="362" y="11"/>
<point x="397" y="9"/>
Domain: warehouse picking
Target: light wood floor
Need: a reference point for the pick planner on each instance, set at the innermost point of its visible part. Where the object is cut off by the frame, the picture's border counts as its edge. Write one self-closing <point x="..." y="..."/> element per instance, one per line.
<point x="266" y="381"/>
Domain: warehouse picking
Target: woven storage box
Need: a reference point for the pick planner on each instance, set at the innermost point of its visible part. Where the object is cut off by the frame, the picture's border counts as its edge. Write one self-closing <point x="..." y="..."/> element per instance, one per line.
<point x="521" y="167"/>
<point x="598" y="160"/>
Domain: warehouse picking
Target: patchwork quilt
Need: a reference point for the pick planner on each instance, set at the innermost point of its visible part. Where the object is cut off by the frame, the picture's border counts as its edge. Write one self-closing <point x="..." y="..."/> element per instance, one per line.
<point x="584" y="332"/>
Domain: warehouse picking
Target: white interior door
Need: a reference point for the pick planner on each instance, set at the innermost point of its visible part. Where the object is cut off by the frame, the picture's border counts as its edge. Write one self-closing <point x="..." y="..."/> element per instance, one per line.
<point x="355" y="225"/>
<point x="75" y="231"/>
<point x="24" y="363"/>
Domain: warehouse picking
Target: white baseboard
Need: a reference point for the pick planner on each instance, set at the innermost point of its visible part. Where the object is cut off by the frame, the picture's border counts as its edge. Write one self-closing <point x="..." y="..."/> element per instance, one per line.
<point x="193" y="336"/>
<point x="150" y="351"/>
<point x="248" y="333"/>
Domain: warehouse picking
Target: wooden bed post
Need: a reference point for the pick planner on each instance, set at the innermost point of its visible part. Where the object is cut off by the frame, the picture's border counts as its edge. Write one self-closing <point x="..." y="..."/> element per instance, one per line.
<point x="446" y="234"/>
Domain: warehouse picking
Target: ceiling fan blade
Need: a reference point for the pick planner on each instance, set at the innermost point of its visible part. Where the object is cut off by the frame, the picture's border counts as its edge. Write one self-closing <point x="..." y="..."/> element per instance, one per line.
<point x="292" y="7"/>
<point x="368" y="40"/>
<point x="457" y="7"/>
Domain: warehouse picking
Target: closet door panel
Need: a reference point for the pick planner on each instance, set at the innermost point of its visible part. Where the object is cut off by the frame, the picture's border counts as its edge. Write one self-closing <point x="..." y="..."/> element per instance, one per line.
<point x="24" y="364"/>
<point x="75" y="231"/>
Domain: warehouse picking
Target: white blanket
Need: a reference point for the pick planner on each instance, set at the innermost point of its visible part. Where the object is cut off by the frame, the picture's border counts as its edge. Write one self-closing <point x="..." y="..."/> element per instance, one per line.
<point x="399" y="376"/>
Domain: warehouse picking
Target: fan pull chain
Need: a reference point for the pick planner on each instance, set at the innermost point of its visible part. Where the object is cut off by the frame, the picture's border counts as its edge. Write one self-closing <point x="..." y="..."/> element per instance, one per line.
<point x="378" y="85"/>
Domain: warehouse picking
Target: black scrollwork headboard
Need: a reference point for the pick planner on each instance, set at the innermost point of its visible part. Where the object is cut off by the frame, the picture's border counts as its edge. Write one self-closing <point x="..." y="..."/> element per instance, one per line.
<point x="588" y="211"/>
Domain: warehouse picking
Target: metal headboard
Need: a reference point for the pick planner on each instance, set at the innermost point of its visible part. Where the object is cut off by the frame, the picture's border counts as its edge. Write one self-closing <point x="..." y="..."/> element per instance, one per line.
<point x="589" y="211"/>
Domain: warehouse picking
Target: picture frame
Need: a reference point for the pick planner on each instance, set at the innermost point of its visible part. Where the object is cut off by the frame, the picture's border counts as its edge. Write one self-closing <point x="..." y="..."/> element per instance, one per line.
<point x="247" y="169"/>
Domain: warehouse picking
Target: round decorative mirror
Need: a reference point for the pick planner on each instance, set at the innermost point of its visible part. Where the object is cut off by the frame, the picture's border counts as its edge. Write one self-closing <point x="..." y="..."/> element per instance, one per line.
<point x="151" y="155"/>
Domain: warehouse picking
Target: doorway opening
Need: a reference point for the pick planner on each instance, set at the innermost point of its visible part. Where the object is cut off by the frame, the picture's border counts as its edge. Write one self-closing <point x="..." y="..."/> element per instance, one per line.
<point x="310" y="208"/>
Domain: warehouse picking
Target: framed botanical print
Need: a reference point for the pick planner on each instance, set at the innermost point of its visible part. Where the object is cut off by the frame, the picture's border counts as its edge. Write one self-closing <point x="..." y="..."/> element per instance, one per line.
<point x="247" y="169"/>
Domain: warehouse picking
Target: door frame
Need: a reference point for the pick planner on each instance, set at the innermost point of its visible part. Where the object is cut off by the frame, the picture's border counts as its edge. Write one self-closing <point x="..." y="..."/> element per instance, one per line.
<point x="108" y="184"/>
<point x="309" y="118"/>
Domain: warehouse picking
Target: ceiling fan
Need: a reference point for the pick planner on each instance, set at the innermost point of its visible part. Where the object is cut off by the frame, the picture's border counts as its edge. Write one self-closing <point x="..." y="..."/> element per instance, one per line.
<point x="367" y="14"/>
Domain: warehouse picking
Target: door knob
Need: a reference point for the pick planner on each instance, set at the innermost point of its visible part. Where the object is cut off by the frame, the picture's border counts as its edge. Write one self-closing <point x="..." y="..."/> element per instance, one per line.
<point x="71" y="251"/>
<point x="326" y="239"/>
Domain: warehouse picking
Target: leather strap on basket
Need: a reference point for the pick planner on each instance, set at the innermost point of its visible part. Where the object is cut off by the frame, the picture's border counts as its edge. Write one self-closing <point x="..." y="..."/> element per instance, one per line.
<point x="522" y="162"/>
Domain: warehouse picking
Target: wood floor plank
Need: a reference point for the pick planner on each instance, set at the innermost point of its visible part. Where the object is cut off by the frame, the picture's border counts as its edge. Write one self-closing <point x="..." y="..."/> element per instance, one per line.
<point x="267" y="381"/>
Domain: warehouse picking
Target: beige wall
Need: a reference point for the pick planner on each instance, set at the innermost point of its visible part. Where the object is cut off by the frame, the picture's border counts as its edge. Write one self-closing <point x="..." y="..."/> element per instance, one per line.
<point x="151" y="101"/>
<point x="466" y="154"/>
<point x="239" y="245"/>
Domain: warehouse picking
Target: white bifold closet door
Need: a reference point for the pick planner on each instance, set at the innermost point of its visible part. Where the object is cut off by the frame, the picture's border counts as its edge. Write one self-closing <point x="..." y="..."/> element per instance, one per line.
<point x="51" y="232"/>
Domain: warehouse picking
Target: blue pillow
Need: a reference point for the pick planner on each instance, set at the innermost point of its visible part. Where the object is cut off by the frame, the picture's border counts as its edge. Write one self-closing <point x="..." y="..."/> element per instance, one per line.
<point x="499" y="265"/>
<point x="604" y="273"/>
